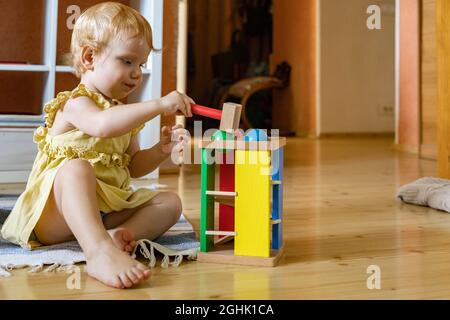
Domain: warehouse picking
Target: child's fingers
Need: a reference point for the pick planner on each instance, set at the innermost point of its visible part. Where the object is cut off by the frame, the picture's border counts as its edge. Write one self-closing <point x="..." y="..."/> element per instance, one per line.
<point x="186" y="108"/>
<point x="180" y="134"/>
<point x="177" y="126"/>
<point x="182" y="109"/>
<point x="170" y="130"/>
<point x="180" y="131"/>
<point x="187" y="103"/>
<point x="181" y="105"/>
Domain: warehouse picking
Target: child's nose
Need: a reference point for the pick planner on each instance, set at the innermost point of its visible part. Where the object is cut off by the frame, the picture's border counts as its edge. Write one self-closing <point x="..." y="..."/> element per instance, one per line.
<point x="136" y="74"/>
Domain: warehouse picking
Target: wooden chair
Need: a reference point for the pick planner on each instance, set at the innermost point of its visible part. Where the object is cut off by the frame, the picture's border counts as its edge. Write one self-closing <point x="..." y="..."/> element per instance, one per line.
<point x="245" y="88"/>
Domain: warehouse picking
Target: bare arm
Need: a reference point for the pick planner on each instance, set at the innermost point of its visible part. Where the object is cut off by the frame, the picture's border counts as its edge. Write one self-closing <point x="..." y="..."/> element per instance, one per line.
<point x="173" y="141"/>
<point x="85" y="115"/>
<point x="145" y="161"/>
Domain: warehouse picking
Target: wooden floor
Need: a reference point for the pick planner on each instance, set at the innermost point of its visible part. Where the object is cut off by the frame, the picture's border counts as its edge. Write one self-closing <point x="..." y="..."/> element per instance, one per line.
<point x="341" y="217"/>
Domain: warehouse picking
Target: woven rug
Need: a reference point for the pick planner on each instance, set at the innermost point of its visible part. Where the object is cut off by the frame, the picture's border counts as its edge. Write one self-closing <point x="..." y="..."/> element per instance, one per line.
<point x="177" y="242"/>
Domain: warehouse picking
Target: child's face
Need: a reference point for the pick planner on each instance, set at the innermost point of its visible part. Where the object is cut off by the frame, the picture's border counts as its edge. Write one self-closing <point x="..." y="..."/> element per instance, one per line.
<point x="118" y="70"/>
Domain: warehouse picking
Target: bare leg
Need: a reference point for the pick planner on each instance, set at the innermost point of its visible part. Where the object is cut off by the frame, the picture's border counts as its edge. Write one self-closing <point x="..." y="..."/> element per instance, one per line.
<point x="149" y="220"/>
<point x="52" y="228"/>
<point x="75" y="200"/>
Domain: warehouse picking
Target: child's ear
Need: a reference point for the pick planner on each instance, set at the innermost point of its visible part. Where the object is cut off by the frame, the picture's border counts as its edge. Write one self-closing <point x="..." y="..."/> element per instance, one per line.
<point x="87" y="57"/>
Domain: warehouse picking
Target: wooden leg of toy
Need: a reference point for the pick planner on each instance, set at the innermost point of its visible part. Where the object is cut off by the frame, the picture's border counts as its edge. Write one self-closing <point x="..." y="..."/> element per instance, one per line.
<point x="207" y="201"/>
<point x="277" y="200"/>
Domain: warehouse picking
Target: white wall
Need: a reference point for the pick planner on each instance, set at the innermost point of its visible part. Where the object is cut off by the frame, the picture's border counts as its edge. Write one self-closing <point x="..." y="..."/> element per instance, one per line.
<point x="357" y="76"/>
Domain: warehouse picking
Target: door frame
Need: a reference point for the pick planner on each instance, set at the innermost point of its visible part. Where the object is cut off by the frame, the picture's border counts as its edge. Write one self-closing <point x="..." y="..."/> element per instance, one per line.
<point x="443" y="70"/>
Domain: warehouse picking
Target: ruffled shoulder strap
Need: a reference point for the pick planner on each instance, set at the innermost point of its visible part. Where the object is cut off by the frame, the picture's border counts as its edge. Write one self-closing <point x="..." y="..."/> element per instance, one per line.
<point x="52" y="107"/>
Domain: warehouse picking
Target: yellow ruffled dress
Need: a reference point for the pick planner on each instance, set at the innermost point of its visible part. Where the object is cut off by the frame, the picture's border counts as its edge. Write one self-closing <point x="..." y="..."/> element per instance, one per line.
<point x="106" y="155"/>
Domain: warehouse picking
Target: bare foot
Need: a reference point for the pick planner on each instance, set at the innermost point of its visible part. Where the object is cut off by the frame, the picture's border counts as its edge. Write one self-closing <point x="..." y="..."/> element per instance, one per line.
<point x="114" y="267"/>
<point x="123" y="239"/>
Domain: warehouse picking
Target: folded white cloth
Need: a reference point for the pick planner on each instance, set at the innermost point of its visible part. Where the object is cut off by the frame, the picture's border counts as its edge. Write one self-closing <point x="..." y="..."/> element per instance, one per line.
<point x="428" y="191"/>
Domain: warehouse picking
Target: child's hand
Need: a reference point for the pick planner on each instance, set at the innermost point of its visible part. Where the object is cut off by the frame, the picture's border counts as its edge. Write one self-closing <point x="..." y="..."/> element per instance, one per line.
<point x="174" y="139"/>
<point x="176" y="101"/>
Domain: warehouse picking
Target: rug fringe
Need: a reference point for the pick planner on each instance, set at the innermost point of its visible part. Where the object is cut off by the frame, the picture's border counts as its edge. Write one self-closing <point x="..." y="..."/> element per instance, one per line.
<point x="51" y="268"/>
<point x="5" y="270"/>
<point x="36" y="268"/>
<point x="147" y="249"/>
<point x="4" y="273"/>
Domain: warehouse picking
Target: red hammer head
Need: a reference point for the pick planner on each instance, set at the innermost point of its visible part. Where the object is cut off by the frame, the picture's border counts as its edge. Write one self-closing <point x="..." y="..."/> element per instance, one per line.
<point x="229" y="116"/>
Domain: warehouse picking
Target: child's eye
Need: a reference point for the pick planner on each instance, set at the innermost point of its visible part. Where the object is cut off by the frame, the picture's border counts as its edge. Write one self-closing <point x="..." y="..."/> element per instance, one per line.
<point x="127" y="61"/>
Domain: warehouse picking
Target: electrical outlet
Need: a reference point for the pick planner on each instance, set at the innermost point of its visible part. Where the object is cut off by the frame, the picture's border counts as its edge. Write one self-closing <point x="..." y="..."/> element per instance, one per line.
<point x="386" y="110"/>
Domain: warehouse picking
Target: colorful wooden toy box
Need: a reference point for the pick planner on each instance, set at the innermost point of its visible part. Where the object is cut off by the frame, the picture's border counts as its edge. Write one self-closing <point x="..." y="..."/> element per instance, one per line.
<point x="249" y="193"/>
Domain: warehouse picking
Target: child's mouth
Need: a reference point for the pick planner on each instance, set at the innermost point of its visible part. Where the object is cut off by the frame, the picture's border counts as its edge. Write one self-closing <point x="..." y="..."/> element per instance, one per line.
<point x="130" y="86"/>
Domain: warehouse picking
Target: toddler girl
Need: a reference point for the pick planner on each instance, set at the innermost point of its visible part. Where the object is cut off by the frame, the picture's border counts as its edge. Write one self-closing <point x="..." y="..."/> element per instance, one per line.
<point x="79" y="186"/>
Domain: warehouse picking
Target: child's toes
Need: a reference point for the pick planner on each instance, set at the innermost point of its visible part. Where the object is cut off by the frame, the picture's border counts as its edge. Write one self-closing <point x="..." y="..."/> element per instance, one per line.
<point x="142" y="267"/>
<point x="144" y="270"/>
<point x="127" y="235"/>
<point x="125" y="280"/>
<point x="146" y="274"/>
<point x="138" y="273"/>
<point x="133" y="277"/>
<point x="116" y="283"/>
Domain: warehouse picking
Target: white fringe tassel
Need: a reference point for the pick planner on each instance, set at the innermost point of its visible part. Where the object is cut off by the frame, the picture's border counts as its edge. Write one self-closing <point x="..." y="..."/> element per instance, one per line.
<point x="5" y="269"/>
<point x="37" y="268"/>
<point x="4" y="273"/>
<point x="51" y="268"/>
<point x="147" y="249"/>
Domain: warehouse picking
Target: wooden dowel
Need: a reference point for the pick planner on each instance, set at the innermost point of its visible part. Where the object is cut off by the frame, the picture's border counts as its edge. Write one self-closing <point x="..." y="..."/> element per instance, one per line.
<point x="220" y="233"/>
<point x="221" y="193"/>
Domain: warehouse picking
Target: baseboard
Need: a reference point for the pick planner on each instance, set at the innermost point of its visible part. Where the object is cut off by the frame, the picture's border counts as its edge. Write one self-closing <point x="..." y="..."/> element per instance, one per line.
<point x="406" y="148"/>
<point x="357" y="135"/>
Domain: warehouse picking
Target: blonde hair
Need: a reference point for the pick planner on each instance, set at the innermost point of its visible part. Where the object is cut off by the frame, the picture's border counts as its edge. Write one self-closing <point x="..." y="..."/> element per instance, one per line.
<point x="102" y="23"/>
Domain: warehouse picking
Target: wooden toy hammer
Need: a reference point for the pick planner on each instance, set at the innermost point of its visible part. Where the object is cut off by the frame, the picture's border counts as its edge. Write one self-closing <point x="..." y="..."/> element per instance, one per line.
<point x="229" y="116"/>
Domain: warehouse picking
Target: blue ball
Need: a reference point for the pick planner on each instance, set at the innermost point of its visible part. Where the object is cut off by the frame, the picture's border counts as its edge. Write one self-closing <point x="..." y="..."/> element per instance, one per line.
<point x="256" y="135"/>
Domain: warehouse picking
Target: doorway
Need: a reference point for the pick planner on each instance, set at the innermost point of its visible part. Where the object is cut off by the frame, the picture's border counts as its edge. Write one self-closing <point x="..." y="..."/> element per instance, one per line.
<point x="228" y="41"/>
<point x="356" y="68"/>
